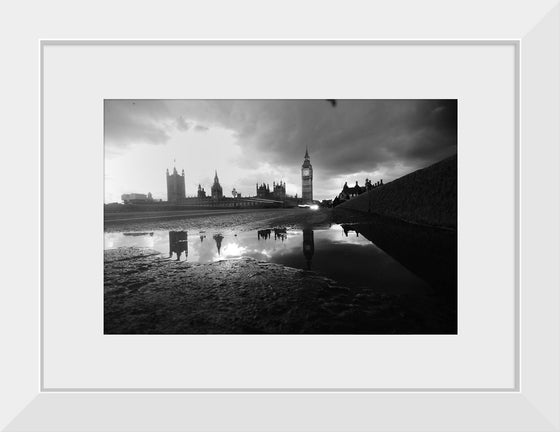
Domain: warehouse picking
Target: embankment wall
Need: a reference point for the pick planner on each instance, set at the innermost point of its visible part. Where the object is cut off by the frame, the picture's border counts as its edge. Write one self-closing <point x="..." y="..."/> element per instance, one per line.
<point x="427" y="196"/>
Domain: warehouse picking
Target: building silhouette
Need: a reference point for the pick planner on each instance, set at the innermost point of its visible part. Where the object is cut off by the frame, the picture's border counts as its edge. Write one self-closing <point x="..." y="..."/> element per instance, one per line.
<point x="263" y="190"/>
<point x="278" y="191"/>
<point x="217" y="192"/>
<point x="266" y="197"/>
<point x="137" y="198"/>
<point x="351" y="192"/>
<point x="306" y="179"/>
<point x="175" y="186"/>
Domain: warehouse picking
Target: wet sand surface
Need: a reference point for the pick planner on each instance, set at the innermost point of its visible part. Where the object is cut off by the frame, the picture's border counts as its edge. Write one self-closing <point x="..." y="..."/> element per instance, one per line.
<point x="232" y="220"/>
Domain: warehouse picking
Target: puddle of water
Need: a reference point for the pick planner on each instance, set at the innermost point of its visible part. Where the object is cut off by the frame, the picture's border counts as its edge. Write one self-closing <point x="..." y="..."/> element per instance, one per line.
<point x="338" y="253"/>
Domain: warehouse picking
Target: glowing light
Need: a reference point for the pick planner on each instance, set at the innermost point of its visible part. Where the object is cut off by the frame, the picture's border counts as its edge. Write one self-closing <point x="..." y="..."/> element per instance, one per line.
<point x="233" y="250"/>
<point x="314" y="207"/>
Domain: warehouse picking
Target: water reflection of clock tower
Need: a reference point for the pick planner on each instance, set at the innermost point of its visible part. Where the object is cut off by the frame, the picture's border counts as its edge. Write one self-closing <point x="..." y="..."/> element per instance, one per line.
<point x="306" y="179"/>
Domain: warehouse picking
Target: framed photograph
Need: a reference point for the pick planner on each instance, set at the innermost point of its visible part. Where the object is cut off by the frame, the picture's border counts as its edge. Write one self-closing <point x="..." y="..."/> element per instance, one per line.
<point x="306" y="253"/>
<point x="272" y="233"/>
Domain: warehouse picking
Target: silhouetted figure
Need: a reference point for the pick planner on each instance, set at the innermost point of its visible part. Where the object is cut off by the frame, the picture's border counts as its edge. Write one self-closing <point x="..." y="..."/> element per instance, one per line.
<point x="264" y="234"/>
<point x="332" y="102"/>
<point x="308" y="246"/>
<point x="218" y="238"/>
<point x="178" y="243"/>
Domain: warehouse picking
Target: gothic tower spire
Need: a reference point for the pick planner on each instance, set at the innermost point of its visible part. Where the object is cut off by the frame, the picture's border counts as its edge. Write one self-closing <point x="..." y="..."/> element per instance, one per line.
<point x="217" y="192"/>
<point x="175" y="185"/>
<point x="307" y="179"/>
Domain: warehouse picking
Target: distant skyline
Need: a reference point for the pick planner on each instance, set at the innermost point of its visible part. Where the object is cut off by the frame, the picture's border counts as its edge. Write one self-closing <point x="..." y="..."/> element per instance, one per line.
<point x="256" y="141"/>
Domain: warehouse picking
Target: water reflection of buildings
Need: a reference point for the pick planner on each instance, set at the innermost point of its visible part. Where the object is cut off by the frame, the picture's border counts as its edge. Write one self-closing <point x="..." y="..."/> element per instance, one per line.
<point x="178" y="243"/>
<point x="263" y="234"/>
<point x="280" y="233"/>
<point x="348" y="228"/>
<point x="218" y="239"/>
<point x="308" y="246"/>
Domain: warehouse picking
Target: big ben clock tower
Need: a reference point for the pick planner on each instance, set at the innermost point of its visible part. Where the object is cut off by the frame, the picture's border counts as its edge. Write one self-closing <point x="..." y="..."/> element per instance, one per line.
<point x="306" y="179"/>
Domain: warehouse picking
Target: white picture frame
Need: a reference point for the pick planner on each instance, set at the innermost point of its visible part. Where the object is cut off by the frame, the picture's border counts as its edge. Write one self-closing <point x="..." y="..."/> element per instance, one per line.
<point x="532" y="404"/>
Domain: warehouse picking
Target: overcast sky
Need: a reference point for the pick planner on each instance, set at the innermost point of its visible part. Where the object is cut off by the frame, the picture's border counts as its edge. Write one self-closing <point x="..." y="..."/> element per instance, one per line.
<point x="250" y="141"/>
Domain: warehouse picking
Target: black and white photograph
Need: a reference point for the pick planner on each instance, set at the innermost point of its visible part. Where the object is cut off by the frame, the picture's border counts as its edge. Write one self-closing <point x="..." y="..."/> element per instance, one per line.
<point x="305" y="216"/>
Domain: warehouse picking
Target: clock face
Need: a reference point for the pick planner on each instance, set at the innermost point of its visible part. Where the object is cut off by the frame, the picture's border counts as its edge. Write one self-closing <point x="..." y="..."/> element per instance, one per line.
<point x="306" y="172"/>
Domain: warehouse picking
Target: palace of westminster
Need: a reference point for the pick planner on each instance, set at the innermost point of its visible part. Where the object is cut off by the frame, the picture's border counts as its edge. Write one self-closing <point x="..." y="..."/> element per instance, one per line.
<point x="264" y="193"/>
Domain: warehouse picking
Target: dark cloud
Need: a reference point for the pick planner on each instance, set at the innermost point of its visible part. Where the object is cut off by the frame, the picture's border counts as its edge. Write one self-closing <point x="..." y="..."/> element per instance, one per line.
<point x="128" y="122"/>
<point x="389" y="137"/>
<point x="355" y="135"/>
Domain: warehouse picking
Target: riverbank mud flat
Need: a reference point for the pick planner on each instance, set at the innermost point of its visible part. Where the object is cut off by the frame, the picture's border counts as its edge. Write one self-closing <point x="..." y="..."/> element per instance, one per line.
<point x="146" y="293"/>
<point x="241" y="220"/>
